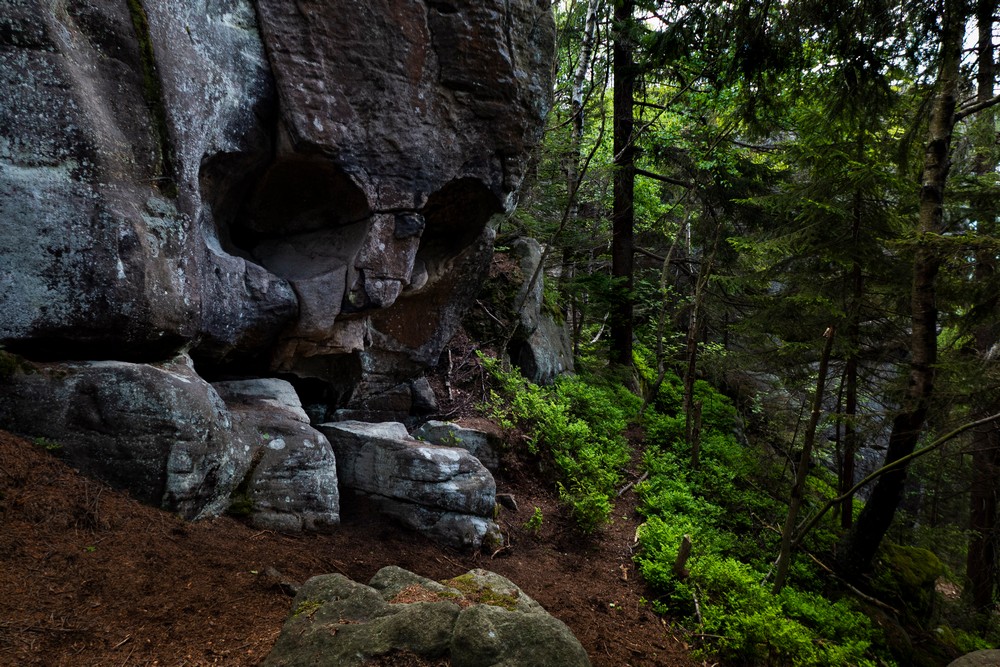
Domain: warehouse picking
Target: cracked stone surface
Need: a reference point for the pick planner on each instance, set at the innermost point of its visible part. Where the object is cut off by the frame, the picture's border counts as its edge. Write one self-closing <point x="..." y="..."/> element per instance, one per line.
<point x="270" y="188"/>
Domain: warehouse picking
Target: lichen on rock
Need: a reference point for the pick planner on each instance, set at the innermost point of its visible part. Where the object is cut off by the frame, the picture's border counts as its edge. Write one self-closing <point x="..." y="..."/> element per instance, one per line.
<point x="264" y="190"/>
<point x="336" y="621"/>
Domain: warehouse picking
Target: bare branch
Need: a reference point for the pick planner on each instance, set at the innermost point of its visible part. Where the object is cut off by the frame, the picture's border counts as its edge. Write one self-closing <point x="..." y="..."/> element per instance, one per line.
<point x="970" y="109"/>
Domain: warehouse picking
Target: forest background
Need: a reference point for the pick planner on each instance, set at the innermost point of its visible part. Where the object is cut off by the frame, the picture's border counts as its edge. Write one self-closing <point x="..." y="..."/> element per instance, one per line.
<point x="771" y="229"/>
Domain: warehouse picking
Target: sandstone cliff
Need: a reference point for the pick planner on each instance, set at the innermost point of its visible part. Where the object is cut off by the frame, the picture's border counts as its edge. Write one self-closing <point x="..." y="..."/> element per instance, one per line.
<point x="196" y="191"/>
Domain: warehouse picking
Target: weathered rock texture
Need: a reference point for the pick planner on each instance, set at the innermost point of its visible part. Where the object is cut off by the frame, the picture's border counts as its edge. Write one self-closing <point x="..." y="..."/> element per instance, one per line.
<point x="442" y="491"/>
<point x="273" y="187"/>
<point x="479" y="619"/>
<point x="301" y="184"/>
<point x="290" y="483"/>
<point x="478" y="443"/>
<point x="985" y="658"/>
<point x="541" y="346"/>
<point x="158" y="431"/>
<point x="172" y="440"/>
<point x="536" y="335"/>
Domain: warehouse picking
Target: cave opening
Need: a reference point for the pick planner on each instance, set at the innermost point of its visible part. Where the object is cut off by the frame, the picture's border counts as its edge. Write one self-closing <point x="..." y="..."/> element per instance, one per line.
<point x="298" y="195"/>
<point x="455" y="217"/>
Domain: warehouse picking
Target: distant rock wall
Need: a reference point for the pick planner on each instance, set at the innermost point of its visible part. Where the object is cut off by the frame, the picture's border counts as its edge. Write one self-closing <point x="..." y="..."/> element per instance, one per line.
<point x="301" y="189"/>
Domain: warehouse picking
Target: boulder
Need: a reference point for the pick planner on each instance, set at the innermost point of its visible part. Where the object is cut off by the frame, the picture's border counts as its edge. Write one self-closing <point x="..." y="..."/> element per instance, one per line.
<point x="158" y="431"/>
<point x="478" y="443"/>
<point x="172" y="440"/>
<point x="291" y="483"/>
<point x="479" y="619"/>
<point x="541" y="346"/>
<point x="444" y="492"/>
<point x="984" y="658"/>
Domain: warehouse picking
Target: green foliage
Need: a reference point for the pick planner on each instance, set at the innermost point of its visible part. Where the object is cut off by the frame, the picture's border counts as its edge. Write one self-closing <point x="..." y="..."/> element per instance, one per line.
<point x="576" y="425"/>
<point x="47" y="444"/>
<point x="790" y="167"/>
<point x="534" y="523"/>
<point x="715" y="507"/>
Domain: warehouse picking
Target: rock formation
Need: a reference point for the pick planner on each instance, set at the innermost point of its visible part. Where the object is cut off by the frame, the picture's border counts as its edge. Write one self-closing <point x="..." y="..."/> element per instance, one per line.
<point x="481" y="445"/>
<point x="479" y="619"/>
<point x="536" y="335"/>
<point x="442" y="491"/>
<point x="267" y="188"/>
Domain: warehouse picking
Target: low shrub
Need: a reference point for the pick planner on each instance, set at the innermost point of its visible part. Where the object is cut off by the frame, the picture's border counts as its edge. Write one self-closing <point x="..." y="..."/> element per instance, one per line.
<point x="577" y="426"/>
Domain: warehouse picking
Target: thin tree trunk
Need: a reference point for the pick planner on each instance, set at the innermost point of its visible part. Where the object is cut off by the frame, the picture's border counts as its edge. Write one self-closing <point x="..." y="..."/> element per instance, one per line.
<point x="802" y="470"/>
<point x="573" y="155"/>
<point x="691" y="354"/>
<point x="853" y="350"/>
<point x="622" y="241"/>
<point x="858" y="548"/>
<point x="981" y="563"/>
<point x="661" y="323"/>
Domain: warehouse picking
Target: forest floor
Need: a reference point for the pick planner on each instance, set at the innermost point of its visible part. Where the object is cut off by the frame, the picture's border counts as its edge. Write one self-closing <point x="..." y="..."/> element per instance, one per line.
<point x="89" y="576"/>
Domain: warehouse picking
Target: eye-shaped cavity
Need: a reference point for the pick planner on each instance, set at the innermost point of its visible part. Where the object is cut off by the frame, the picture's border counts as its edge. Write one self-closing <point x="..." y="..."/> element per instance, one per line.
<point x="454" y="217"/>
<point x="300" y="195"/>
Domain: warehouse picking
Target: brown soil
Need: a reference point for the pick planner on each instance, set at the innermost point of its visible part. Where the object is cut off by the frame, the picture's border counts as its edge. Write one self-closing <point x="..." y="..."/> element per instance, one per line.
<point x="89" y="576"/>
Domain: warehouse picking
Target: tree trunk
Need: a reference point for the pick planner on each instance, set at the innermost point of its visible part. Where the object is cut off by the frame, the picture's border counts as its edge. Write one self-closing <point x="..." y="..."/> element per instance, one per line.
<point x="802" y="470"/>
<point x="623" y="214"/>
<point x="573" y="156"/>
<point x="851" y="371"/>
<point x="860" y="545"/>
<point x="981" y="563"/>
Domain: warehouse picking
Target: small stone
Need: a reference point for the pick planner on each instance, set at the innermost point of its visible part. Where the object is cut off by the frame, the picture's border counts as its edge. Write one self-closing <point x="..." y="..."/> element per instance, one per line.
<point x="507" y="500"/>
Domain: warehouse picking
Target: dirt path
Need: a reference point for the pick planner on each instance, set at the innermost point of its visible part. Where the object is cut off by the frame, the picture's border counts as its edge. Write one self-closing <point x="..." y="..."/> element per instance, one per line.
<point x="91" y="577"/>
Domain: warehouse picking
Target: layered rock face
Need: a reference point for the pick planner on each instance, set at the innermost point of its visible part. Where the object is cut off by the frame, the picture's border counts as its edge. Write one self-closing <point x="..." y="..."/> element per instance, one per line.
<point x="440" y="490"/>
<point x="301" y="189"/>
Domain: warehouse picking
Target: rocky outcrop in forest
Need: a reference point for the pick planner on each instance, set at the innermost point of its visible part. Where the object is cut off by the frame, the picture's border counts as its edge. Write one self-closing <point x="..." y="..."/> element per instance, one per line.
<point x="191" y="200"/>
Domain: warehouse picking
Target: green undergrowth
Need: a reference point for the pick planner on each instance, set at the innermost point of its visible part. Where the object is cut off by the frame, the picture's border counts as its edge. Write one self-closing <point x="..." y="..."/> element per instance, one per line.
<point x="723" y="598"/>
<point x="577" y="427"/>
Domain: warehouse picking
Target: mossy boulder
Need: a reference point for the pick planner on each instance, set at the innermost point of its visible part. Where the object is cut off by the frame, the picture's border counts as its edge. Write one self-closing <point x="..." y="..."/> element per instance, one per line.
<point x="478" y="619"/>
<point x="906" y="577"/>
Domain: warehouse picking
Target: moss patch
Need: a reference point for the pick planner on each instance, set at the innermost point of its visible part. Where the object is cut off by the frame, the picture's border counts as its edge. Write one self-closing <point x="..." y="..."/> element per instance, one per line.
<point x="474" y="591"/>
<point x="10" y="364"/>
<point x="907" y="575"/>
<point x="241" y="500"/>
<point x="418" y="593"/>
<point x="153" y="94"/>
<point x="306" y="608"/>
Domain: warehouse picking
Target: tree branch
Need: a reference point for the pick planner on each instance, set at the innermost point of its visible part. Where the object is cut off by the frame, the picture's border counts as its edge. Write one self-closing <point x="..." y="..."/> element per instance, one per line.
<point x="970" y="109"/>
<point x="660" y="258"/>
<point x="898" y="463"/>
<point x="664" y="179"/>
